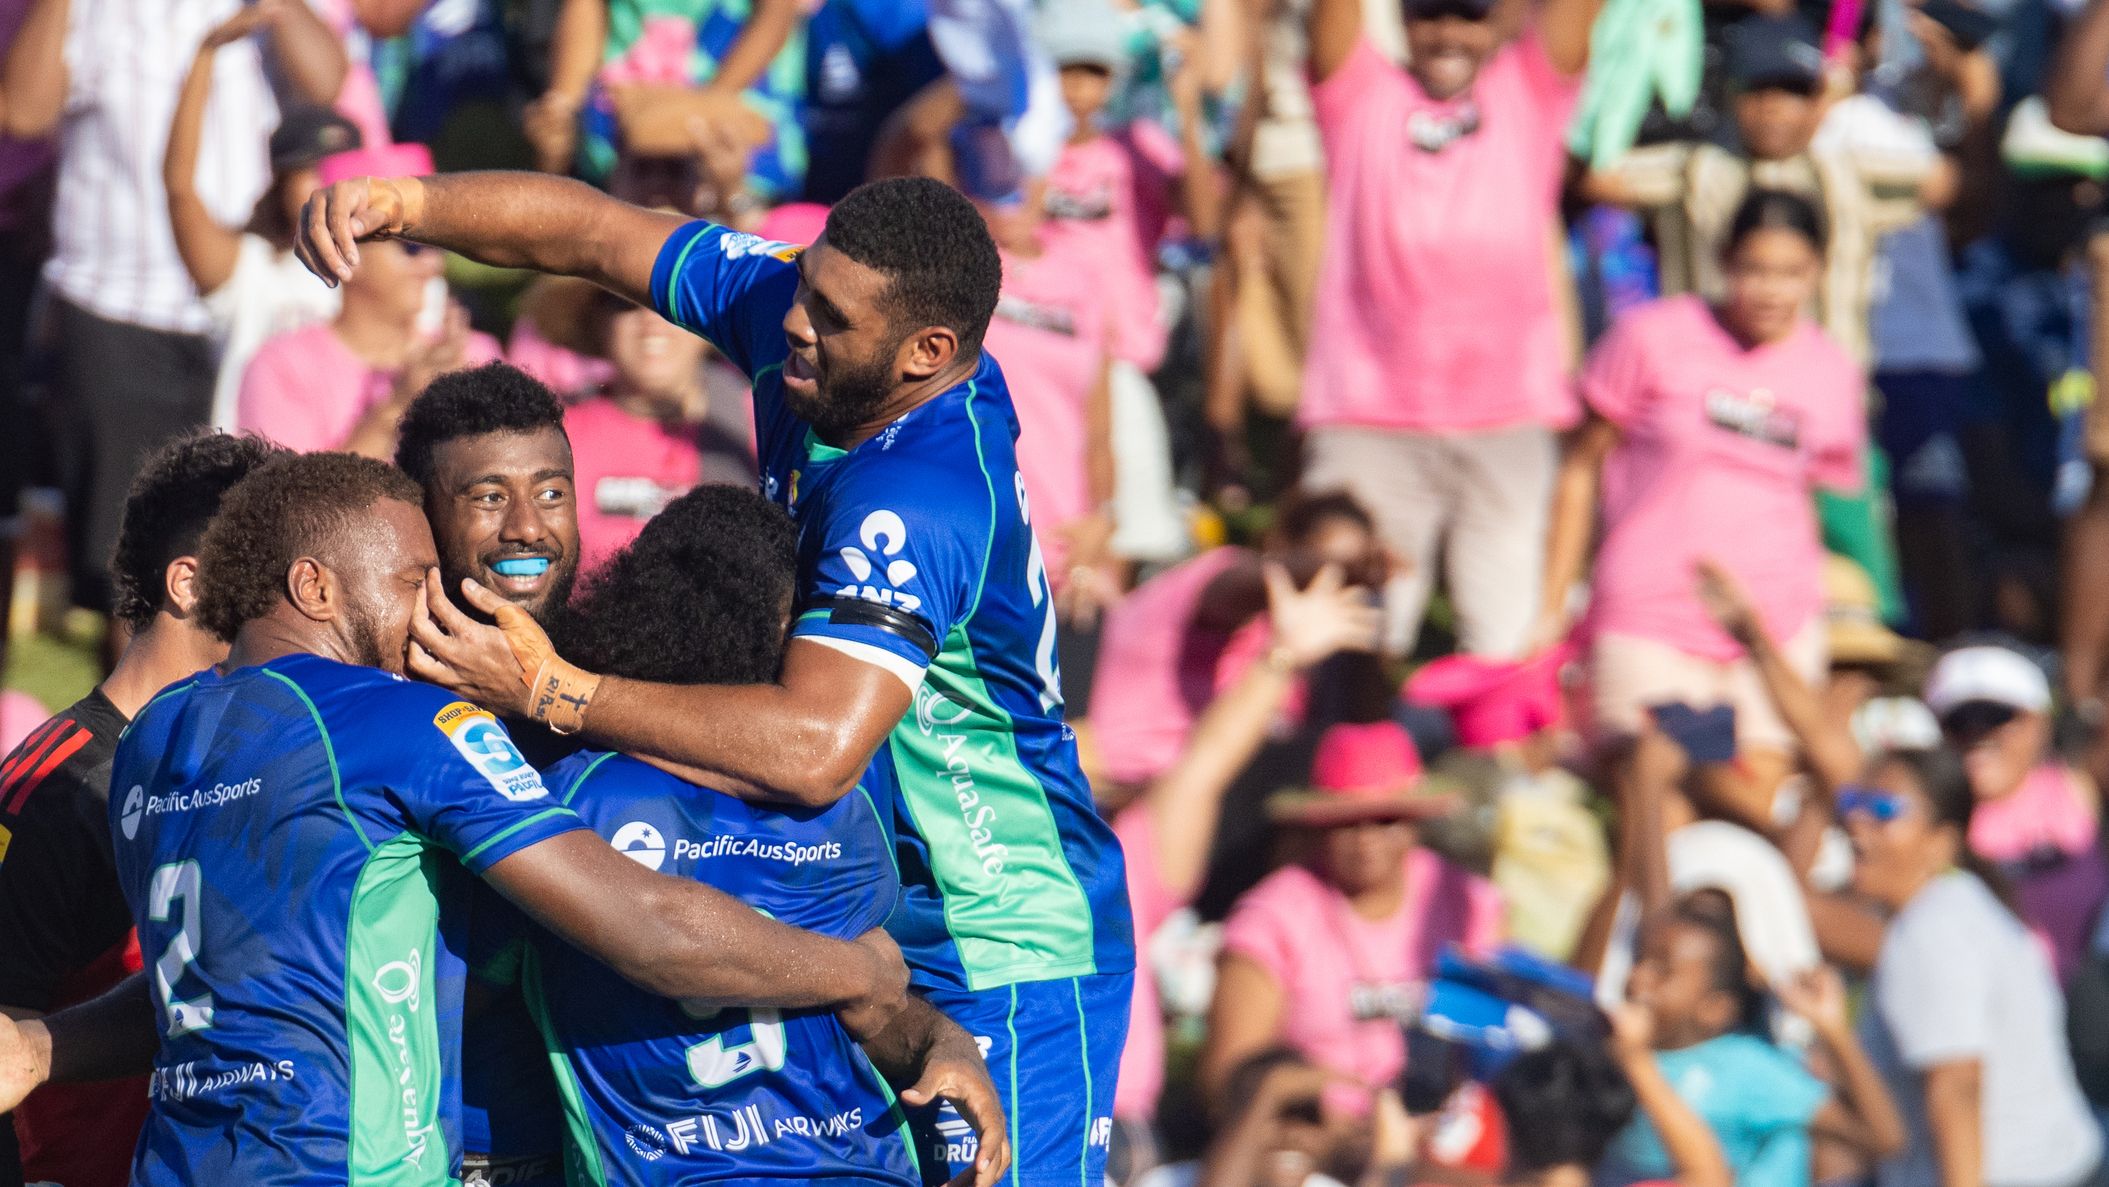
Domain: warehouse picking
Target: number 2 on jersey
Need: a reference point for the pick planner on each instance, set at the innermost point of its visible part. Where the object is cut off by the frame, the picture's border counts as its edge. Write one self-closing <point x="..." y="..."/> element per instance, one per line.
<point x="1044" y="660"/>
<point x="179" y="880"/>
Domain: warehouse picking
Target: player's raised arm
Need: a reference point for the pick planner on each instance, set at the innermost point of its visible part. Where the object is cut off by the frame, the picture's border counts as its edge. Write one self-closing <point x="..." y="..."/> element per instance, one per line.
<point x="678" y="938"/>
<point x="510" y="220"/>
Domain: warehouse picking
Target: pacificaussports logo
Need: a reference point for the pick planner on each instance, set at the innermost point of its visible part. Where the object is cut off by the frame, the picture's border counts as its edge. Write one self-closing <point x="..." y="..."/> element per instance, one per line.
<point x="484" y="743"/>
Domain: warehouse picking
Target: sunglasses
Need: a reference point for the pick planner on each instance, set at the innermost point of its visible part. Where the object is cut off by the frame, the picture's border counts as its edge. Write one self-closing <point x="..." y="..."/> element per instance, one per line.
<point x="1882" y="807"/>
<point x="414" y="249"/>
<point x="1975" y="719"/>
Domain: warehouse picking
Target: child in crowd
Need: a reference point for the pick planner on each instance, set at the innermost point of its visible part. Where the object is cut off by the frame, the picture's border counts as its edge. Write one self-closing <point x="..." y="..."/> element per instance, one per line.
<point x="1759" y="1100"/>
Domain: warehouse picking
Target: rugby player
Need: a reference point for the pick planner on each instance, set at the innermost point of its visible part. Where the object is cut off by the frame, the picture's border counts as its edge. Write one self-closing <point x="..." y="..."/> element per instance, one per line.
<point x="922" y="658"/>
<point x="64" y="925"/>
<point x="661" y="1093"/>
<point x="278" y="839"/>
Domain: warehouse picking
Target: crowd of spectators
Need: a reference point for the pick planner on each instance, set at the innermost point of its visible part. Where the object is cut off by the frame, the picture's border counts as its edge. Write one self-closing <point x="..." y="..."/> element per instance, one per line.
<point x="1688" y="408"/>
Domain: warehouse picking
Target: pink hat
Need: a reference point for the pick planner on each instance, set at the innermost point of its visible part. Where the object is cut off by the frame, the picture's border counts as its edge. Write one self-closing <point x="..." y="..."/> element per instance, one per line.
<point x="1493" y="701"/>
<point x="1361" y="772"/>
<point x="389" y="160"/>
<point x="794" y="222"/>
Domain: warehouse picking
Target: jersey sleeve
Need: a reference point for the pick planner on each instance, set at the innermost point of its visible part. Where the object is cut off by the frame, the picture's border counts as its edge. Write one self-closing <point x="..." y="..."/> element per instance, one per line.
<point x="731" y="287"/>
<point x="901" y="562"/>
<point x="1615" y="380"/>
<point x="60" y="906"/>
<point x="473" y="792"/>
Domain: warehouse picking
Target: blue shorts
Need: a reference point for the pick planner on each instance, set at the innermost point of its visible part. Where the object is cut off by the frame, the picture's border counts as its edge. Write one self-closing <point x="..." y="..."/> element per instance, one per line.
<point x="1054" y="1050"/>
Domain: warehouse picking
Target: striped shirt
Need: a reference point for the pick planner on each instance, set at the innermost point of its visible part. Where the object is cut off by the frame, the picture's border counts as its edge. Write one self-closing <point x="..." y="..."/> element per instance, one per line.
<point x="114" y="254"/>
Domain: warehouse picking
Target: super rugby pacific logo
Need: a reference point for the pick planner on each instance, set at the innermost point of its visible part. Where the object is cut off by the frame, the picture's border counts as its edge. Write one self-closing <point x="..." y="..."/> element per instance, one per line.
<point x="478" y="738"/>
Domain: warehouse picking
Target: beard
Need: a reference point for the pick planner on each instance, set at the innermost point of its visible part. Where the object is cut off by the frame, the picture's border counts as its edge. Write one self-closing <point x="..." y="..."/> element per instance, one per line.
<point x="365" y="642"/>
<point x="847" y="396"/>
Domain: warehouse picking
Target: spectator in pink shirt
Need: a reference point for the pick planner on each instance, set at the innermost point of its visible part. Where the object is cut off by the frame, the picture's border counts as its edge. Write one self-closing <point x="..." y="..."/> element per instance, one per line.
<point x="344" y="384"/>
<point x="1189" y="632"/>
<point x="1330" y="956"/>
<point x="1709" y="429"/>
<point x="1438" y="362"/>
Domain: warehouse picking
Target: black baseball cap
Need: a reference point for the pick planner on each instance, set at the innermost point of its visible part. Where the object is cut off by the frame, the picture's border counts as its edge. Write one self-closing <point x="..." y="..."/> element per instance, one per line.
<point x="1428" y="10"/>
<point x="1775" y="51"/>
<point x="307" y="134"/>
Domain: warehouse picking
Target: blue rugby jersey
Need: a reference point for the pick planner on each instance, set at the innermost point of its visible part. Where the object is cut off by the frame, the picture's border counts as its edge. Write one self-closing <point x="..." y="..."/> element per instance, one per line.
<point x="1008" y="874"/>
<point x="658" y="1093"/>
<point x="279" y="835"/>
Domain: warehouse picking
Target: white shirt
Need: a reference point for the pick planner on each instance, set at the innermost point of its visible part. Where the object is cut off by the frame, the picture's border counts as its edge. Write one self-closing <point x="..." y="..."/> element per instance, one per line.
<point x="267" y="294"/>
<point x="114" y="253"/>
<point x="1960" y="978"/>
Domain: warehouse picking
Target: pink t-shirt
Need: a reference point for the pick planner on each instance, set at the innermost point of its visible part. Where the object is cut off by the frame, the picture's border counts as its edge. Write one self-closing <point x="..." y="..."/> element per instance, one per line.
<point x="1166" y="664"/>
<point x="1108" y="203"/>
<point x="1151" y="902"/>
<point x="565" y="372"/>
<point x="1348" y="982"/>
<point x="1721" y="449"/>
<point x="306" y="390"/>
<point x="1434" y="310"/>
<point x="2044" y="836"/>
<point x="1049" y="333"/>
<point x="626" y="468"/>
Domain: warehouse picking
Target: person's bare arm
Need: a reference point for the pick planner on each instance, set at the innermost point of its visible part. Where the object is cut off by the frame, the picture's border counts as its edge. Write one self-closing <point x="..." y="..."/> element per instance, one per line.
<point x="682" y="939"/>
<point x="551" y="121"/>
<point x="768" y="27"/>
<point x="34" y="81"/>
<point x="1186" y="802"/>
<point x="1336" y="28"/>
<point x="1244" y="1018"/>
<point x="388" y="18"/>
<point x="1200" y="186"/>
<point x="1694" y="1152"/>
<point x="309" y="55"/>
<point x="1827" y="745"/>
<point x="1573" y="522"/>
<point x="1862" y="1114"/>
<point x="1563" y="29"/>
<point x="1955" y="1114"/>
<point x="2078" y="91"/>
<point x="938" y="1060"/>
<point x="1648" y="775"/>
<point x="105" y="1038"/>
<point x="208" y="250"/>
<point x="510" y="220"/>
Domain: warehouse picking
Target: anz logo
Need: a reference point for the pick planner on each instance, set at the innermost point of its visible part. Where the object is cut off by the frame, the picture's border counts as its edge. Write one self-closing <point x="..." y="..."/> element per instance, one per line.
<point x="882" y="536"/>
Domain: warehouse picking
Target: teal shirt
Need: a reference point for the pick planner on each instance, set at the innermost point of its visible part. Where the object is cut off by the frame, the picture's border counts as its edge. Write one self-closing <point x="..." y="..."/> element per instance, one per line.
<point x="1758" y="1100"/>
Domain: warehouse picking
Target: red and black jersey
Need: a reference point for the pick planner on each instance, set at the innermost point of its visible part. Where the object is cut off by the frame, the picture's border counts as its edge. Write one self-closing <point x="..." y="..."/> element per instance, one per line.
<point x="66" y="931"/>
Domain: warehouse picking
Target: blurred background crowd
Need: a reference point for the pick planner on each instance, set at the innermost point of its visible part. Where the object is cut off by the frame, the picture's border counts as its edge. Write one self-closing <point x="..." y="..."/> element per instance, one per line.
<point x="1705" y="391"/>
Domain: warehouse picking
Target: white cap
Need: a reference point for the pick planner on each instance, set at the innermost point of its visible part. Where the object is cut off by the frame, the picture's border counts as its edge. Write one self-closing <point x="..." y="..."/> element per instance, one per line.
<point x="1895" y="723"/>
<point x="1995" y="674"/>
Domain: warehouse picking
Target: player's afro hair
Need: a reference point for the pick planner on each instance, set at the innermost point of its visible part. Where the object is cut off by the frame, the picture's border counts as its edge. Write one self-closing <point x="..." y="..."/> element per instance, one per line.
<point x="493" y="398"/>
<point x="931" y="243"/>
<point x="700" y="597"/>
<point x="288" y="508"/>
<point x="175" y="494"/>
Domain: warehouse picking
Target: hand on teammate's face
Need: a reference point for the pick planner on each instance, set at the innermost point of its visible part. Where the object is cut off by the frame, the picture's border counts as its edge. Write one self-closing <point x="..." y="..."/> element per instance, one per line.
<point x="481" y="662"/>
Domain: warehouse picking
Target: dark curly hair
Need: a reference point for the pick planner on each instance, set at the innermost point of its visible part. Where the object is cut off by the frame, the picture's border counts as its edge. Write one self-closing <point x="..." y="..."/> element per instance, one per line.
<point x="699" y="597"/>
<point x="1302" y="512"/>
<point x="1563" y="1104"/>
<point x="493" y="398"/>
<point x="175" y="494"/>
<point x="289" y="508"/>
<point x="931" y="244"/>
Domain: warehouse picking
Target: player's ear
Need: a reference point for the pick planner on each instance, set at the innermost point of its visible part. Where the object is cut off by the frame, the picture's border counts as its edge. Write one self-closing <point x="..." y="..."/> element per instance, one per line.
<point x="313" y="589"/>
<point x="179" y="586"/>
<point x="928" y="351"/>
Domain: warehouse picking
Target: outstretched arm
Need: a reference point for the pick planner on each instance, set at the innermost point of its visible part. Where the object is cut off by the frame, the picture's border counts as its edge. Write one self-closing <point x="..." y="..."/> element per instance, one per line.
<point x="683" y="939"/>
<point x="208" y="250"/>
<point x="510" y="220"/>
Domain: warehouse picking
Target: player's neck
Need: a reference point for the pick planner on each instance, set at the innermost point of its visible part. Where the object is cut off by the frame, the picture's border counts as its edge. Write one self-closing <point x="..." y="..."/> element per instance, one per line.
<point x="262" y="640"/>
<point x="907" y="399"/>
<point x="168" y="650"/>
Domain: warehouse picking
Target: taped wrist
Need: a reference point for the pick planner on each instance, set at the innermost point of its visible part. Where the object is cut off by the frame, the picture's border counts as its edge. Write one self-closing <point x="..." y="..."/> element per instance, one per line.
<point x="558" y="694"/>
